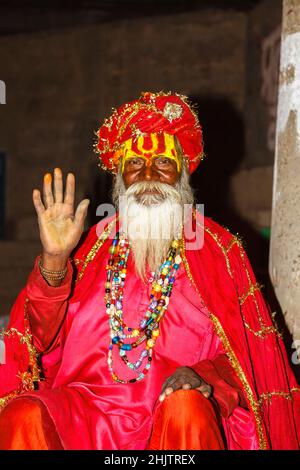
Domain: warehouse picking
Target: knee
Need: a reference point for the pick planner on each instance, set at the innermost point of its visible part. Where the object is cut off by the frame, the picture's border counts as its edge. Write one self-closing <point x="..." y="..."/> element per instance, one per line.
<point x="188" y="408"/>
<point x="20" y="411"/>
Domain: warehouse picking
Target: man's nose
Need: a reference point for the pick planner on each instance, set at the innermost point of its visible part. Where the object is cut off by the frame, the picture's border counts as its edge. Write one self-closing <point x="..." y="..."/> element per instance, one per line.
<point x="150" y="173"/>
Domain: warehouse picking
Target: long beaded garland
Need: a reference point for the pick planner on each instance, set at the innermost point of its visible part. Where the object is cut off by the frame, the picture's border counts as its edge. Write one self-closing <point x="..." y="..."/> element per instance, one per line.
<point x="148" y="330"/>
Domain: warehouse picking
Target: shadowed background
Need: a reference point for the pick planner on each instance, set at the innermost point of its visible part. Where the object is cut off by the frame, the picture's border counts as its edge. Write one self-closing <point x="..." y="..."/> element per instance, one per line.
<point x="66" y="64"/>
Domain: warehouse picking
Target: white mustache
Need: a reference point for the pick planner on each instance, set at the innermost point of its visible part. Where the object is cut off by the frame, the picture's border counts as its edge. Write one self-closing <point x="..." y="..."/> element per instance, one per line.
<point x="152" y="192"/>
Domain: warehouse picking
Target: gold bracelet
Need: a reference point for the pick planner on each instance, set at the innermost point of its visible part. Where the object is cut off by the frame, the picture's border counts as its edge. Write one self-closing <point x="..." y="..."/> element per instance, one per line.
<point x="52" y="275"/>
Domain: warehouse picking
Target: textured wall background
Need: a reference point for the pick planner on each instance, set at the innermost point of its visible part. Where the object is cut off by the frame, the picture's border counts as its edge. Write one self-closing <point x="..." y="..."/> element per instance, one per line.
<point x="285" y="242"/>
<point x="61" y="84"/>
<point x="252" y="185"/>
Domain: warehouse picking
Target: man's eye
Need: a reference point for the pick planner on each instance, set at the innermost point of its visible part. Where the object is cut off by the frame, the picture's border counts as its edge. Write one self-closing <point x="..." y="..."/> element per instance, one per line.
<point x="135" y="162"/>
<point x="163" y="161"/>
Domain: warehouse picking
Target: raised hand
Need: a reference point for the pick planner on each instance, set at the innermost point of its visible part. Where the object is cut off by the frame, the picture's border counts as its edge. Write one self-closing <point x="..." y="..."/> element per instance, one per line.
<point x="60" y="228"/>
<point x="185" y="378"/>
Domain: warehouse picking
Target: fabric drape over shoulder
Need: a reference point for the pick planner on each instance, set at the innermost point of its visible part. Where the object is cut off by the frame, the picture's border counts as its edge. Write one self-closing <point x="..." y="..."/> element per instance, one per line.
<point x="226" y="294"/>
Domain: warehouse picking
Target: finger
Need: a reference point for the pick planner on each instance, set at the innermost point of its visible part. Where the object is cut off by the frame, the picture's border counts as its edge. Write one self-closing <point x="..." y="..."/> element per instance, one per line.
<point x="162" y="396"/>
<point x="172" y="388"/>
<point x="81" y="212"/>
<point x="169" y="390"/>
<point x="205" y="389"/>
<point x="168" y="382"/>
<point x="70" y="189"/>
<point x="37" y="202"/>
<point x="58" y="185"/>
<point x="165" y="393"/>
<point x="47" y="190"/>
<point x="176" y="386"/>
<point x="186" y="386"/>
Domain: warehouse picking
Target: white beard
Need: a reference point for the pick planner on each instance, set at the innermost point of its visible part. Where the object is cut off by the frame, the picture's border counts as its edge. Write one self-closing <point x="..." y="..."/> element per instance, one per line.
<point x="151" y="222"/>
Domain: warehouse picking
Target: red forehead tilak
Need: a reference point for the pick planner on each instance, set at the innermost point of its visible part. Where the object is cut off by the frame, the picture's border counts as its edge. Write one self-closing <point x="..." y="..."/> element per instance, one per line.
<point x="151" y="113"/>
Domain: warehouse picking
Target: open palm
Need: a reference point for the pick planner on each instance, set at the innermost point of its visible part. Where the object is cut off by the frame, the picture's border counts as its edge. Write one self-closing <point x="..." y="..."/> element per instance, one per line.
<point x="60" y="228"/>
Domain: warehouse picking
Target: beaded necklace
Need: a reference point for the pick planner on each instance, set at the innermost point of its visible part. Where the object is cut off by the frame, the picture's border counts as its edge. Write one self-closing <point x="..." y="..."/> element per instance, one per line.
<point x="148" y="330"/>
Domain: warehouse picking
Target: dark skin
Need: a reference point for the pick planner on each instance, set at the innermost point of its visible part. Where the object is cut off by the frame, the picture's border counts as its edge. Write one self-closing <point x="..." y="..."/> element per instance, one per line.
<point x="164" y="170"/>
<point x="161" y="169"/>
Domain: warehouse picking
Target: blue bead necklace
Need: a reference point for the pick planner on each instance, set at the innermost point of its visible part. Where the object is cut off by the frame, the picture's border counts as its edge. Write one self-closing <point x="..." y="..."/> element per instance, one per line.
<point x="148" y="331"/>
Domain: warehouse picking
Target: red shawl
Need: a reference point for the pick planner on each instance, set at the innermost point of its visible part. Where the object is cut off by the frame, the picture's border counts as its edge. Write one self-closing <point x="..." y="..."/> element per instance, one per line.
<point x="223" y="278"/>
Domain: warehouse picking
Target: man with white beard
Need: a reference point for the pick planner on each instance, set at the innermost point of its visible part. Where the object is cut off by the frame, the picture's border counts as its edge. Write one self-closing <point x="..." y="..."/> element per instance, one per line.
<point x="152" y="213"/>
<point x="136" y="337"/>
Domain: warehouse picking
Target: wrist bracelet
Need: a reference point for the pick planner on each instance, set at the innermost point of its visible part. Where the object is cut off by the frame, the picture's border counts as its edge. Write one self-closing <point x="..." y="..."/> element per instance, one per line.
<point x="50" y="274"/>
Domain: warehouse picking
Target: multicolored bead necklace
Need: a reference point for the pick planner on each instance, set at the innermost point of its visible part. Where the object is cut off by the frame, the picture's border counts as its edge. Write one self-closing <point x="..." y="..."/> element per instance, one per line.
<point x="148" y="330"/>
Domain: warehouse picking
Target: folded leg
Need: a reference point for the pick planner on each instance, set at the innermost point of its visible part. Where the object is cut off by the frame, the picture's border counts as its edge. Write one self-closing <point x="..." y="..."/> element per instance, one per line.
<point x="25" y="424"/>
<point x="186" y="420"/>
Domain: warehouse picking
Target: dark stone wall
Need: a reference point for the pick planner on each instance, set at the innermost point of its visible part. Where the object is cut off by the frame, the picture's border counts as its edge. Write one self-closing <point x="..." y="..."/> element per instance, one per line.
<point x="61" y="84"/>
<point x="262" y="72"/>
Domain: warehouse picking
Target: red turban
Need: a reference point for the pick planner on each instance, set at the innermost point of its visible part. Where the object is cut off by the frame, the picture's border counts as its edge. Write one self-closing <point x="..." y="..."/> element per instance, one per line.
<point x="151" y="113"/>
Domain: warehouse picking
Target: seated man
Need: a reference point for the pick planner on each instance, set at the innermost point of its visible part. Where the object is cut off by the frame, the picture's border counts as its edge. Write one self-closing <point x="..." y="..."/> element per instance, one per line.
<point x="137" y="336"/>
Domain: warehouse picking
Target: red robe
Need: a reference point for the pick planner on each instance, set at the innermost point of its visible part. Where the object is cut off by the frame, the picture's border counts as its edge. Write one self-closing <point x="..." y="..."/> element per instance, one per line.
<point x="217" y="323"/>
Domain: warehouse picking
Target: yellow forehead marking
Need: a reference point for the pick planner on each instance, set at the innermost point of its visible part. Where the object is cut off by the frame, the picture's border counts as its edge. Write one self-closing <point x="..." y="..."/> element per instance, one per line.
<point x="169" y="150"/>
